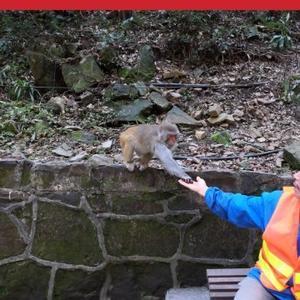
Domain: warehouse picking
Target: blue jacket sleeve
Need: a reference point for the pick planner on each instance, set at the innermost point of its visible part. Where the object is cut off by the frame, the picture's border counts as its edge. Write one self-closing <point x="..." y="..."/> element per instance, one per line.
<point x="241" y="210"/>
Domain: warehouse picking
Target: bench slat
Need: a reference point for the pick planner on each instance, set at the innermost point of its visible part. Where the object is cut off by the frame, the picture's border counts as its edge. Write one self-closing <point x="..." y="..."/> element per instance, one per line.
<point x="224" y="283"/>
<point x="225" y="279"/>
<point x="222" y="295"/>
<point x="227" y="272"/>
<point x="223" y="287"/>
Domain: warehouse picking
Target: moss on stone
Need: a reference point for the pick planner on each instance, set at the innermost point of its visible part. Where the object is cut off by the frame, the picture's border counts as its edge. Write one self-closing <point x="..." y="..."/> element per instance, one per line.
<point x="78" y="285"/>
<point x="137" y="237"/>
<point x="179" y="219"/>
<point x="68" y="197"/>
<point x="24" y="214"/>
<point x="131" y="203"/>
<point x="184" y="201"/>
<point x="214" y="238"/>
<point x="112" y="179"/>
<point x="140" y="280"/>
<point x="8" y="174"/>
<point x="43" y="179"/>
<point x="23" y="281"/>
<point x="26" y="173"/>
<point x="85" y="182"/>
<point x="65" y="235"/>
<point x="192" y="273"/>
<point x="10" y="241"/>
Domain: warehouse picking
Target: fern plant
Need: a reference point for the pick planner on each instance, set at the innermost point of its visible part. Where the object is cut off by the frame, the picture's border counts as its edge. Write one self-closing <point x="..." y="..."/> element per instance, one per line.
<point x="282" y="40"/>
<point x="23" y="89"/>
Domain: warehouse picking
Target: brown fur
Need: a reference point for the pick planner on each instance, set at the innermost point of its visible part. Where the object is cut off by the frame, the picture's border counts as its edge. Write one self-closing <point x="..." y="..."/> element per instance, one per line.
<point x="141" y="139"/>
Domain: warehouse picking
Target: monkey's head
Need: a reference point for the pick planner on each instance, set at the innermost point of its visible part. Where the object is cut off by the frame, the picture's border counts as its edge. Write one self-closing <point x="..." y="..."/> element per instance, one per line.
<point x="168" y="134"/>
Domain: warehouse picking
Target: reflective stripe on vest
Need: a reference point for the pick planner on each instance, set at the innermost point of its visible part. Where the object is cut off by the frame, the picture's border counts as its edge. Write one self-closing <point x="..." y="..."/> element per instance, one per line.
<point x="278" y="258"/>
<point x="278" y="264"/>
<point x="296" y="287"/>
<point x="297" y="278"/>
<point x="297" y="295"/>
<point x="269" y="273"/>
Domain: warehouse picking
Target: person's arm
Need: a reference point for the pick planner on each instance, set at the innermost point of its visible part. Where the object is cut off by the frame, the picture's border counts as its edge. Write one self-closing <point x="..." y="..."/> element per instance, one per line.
<point x="241" y="210"/>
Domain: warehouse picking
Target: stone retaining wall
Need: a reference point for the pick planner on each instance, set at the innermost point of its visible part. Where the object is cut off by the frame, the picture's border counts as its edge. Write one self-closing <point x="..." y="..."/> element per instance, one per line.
<point x="76" y="231"/>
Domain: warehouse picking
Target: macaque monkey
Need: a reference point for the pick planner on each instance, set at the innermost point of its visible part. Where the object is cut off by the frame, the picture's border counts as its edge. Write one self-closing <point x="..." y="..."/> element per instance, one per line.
<point x="152" y="140"/>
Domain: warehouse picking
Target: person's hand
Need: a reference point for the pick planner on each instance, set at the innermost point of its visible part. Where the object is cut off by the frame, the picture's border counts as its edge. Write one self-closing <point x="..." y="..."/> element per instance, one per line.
<point x="198" y="186"/>
<point x="297" y="183"/>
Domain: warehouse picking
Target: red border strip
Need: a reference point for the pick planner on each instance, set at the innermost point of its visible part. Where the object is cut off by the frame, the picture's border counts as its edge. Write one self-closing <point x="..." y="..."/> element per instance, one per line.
<point x="149" y="5"/>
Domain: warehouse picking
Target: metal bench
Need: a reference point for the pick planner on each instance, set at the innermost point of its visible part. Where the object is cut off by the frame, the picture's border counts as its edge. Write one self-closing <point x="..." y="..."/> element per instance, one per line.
<point x="223" y="283"/>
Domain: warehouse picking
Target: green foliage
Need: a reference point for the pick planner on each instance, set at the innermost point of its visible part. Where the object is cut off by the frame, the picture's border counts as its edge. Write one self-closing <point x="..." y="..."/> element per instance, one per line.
<point x="281" y="39"/>
<point x="25" y="119"/>
<point x="15" y="30"/>
<point x="132" y="23"/>
<point x="221" y="137"/>
<point x="18" y="89"/>
<point x="189" y="21"/>
<point x="251" y="32"/>
<point x="280" y="25"/>
<point x="4" y="75"/>
<point x="110" y="38"/>
<point x="16" y="23"/>
<point x="291" y="89"/>
<point x="22" y="89"/>
<point x="222" y="38"/>
<point x="5" y="45"/>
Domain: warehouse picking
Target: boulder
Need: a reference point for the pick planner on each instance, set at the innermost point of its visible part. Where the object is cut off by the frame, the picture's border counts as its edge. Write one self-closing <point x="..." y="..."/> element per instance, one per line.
<point x="80" y="76"/>
<point x="291" y="155"/>
<point x="160" y="101"/>
<point x="46" y="72"/>
<point x="120" y="91"/>
<point x="136" y="111"/>
<point x="177" y="116"/>
<point x="214" y="110"/>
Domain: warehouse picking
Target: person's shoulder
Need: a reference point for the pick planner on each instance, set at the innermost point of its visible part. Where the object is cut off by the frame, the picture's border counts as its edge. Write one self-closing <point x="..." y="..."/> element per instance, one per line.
<point x="272" y="197"/>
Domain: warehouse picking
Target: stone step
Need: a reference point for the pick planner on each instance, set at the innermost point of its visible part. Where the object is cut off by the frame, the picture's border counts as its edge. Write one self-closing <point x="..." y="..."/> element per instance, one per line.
<point x="195" y="293"/>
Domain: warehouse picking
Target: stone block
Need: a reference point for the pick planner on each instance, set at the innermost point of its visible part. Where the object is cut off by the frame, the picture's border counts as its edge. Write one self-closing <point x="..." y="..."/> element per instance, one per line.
<point x="138" y="237"/>
<point x="215" y="239"/>
<point x="192" y="273"/>
<point x="256" y="183"/>
<point x="129" y="203"/>
<point x="23" y="281"/>
<point x="78" y="285"/>
<point x="10" y="196"/>
<point x="184" y="200"/>
<point x="65" y="235"/>
<point x="226" y="180"/>
<point x="11" y="243"/>
<point x="118" y="178"/>
<point x="138" y="281"/>
<point x="9" y="173"/>
<point x="43" y="176"/>
<point x="68" y="197"/>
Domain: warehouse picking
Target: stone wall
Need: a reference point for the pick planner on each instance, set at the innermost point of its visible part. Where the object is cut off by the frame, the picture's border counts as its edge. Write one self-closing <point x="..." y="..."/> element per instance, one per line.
<point x="76" y="231"/>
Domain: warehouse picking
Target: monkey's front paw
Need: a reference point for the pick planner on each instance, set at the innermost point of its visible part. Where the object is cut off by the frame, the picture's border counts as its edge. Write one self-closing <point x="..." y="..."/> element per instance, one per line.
<point x="130" y="166"/>
<point x="187" y="179"/>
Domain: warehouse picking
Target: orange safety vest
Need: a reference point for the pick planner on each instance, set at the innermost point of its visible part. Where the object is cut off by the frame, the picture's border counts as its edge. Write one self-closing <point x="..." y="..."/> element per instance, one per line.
<point x="278" y="257"/>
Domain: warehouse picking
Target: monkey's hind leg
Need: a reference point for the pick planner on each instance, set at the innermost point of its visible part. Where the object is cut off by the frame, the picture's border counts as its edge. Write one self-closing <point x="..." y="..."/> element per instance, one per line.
<point x="144" y="161"/>
<point x="128" y="150"/>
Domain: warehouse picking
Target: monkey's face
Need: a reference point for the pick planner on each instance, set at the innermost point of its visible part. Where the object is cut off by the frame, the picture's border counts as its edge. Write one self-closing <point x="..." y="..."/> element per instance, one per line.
<point x="171" y="140"/>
